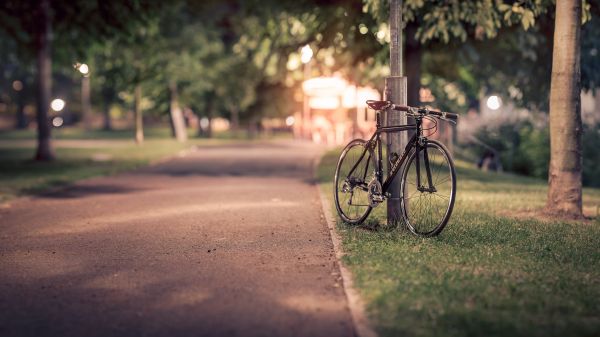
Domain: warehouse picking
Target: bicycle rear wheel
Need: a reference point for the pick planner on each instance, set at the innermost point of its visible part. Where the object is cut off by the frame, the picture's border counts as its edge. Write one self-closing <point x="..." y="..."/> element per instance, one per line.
<point x="354" y="171"/>
<point x="427" y="209"/>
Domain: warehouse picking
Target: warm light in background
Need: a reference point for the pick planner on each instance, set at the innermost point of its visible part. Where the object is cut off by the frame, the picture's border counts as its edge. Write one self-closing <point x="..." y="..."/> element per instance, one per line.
<point x="426" y="96"/>
<point x="204" y="123"/>
<point x="366" y="93"/>
<point x="324" y="102"/>
<point x="290" y="121"/>
<point x="84" y="69"/>
<point x="494" y="102"/>
<point x="17" y="85"/>
<point x="363" y="29"/>
<point x="293" y="62"/>
<point x="324" y="86"/>
<point x="349" y="98"/>
<point x="306" y="54"/>
<point x="57" y="104"/>
<point x="328" y="93"/>
<point x="57" y="121"/>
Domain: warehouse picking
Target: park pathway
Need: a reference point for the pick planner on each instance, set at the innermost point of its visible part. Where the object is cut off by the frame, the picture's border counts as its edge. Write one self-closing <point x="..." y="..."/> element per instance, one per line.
<point x="227" y="240"/>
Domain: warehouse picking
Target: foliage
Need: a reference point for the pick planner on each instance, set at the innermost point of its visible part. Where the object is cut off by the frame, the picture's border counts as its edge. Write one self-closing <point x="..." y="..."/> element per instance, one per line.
<point x="525" y="149"/>
<point x="227" y="53"/>
<point x="76" y="24"/>
<point x="591" y="155"/>
<point x="499" y="47"/>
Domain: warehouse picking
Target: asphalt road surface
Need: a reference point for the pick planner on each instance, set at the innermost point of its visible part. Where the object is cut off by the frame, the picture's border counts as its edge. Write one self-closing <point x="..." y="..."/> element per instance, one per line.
<point x="224" y="241"/>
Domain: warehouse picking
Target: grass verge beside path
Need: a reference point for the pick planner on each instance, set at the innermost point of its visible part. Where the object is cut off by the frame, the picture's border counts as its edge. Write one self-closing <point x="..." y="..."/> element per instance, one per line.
<point x="19" y="175"/>
<point x="486" y="274"/>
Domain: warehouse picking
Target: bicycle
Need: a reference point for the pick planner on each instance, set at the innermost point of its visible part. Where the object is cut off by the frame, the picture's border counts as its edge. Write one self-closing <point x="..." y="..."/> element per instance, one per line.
<point x="428" y="178"/>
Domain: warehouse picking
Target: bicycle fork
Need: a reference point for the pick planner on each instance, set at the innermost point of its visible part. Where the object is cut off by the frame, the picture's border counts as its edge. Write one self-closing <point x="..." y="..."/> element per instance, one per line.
<point x="420" y="187"/>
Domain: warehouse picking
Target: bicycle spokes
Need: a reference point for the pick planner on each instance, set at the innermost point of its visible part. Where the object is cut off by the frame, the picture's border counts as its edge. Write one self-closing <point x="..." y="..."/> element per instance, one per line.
<point x="428" y="190"/>
<point x="352" y="176"/>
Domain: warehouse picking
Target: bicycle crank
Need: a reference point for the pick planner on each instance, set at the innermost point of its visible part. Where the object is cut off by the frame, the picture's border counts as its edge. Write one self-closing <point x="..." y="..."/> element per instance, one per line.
<point x="375" y="193"/>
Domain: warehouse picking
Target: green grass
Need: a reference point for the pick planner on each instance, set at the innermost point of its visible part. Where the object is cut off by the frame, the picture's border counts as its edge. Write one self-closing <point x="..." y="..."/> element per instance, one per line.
<point x="486" y="274"/>
<point x="95" y="153"/>
<point x="79" y="133"/>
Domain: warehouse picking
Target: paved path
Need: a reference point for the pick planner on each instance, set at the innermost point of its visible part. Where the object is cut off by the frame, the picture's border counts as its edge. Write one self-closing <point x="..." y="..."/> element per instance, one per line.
<point x="226" y="241"/>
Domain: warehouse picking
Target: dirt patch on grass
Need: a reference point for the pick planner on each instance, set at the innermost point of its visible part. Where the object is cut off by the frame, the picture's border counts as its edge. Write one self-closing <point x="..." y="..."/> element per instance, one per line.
<point x="589" y="216"/>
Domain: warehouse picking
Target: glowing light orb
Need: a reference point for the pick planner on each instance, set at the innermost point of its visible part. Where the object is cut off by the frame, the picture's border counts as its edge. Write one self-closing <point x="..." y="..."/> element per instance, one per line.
<point x="306" y="54"/>
<point x="84" y="69"/>
<point x="204" y="123"/>
<point x="290" y="121"/>
<point x="494" y="102"/>
<point x="57" y="122"/>
<point x="57" y="104"/>
<point x="363" y="29"/>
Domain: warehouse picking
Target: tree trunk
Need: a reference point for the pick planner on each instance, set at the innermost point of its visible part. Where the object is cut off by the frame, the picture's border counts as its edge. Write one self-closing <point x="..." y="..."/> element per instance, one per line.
<point x="414" y="54"/>
<point x="107" y="125"/>
<point x="44" y="82"/>
<point x="20" y="113"/>
<point x="235" y="119"/>
<point x="139" y="123"/>
<point x="564" y="177"/>
<point x="108" y="97"/>
<point x="86" y="107"/>
<point x="253" y="131"/>
<point x="177" y="121"/>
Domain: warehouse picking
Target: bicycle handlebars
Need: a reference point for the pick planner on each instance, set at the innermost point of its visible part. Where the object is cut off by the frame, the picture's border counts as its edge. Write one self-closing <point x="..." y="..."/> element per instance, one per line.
<point x="416" y="111"/>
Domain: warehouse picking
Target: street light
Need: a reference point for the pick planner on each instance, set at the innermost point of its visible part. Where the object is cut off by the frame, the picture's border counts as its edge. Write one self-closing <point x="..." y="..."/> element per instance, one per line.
<point x="494" y="102"/>
<point x="306" y="55"/>
<point x="84" y="69"/>
<point x="57" y="104"/>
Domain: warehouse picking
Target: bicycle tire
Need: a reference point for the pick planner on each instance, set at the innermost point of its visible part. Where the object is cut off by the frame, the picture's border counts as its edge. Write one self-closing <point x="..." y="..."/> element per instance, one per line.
<point x="344" y="164"/>
<point x="411" y="195"/>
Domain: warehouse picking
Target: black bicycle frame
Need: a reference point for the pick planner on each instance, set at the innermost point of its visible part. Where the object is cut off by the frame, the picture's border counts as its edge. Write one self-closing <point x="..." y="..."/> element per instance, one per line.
<point x="417" y="141"/>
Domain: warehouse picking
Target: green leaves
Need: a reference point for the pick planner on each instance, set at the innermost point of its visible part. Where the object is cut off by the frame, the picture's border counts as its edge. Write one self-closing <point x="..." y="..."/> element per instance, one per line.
<point x="456" y="19"/>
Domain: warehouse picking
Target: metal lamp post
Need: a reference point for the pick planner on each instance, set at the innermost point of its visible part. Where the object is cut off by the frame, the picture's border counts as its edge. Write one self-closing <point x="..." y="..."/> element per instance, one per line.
<point x="395" y="91"/>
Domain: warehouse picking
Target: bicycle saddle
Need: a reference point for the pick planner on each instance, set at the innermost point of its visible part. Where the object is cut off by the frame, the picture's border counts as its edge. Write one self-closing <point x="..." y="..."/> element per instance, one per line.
<point x="378" y="105"/>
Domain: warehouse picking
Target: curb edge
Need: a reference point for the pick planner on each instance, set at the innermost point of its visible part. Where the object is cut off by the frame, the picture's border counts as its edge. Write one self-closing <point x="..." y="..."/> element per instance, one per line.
<point x="355" y="302"/>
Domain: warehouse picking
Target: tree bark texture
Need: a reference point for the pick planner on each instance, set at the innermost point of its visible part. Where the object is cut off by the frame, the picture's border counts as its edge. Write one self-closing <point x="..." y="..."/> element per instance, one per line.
<point x="44" y="81"/>
<point x="413" y="57"/>
<point x="564" y="177"/>
<point x="139" y="122"/>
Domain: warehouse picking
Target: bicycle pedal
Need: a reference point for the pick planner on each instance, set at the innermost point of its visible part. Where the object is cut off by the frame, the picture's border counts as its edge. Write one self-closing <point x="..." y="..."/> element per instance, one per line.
<point x="378" y="198"/>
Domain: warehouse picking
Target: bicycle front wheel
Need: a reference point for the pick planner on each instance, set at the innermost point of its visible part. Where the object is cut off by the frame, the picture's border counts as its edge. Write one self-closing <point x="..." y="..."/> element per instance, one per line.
<point x="427" y="208"/>
<point x="353" y="173"/>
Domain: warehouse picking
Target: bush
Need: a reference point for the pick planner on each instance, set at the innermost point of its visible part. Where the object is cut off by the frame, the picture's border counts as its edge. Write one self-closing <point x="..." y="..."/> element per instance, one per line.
<point x="591" y="155"/>
<point x="525" y="149"/>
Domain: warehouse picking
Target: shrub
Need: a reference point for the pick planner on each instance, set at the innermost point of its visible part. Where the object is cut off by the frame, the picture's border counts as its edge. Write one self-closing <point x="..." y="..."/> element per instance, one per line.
<point x="525" y="149"/>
